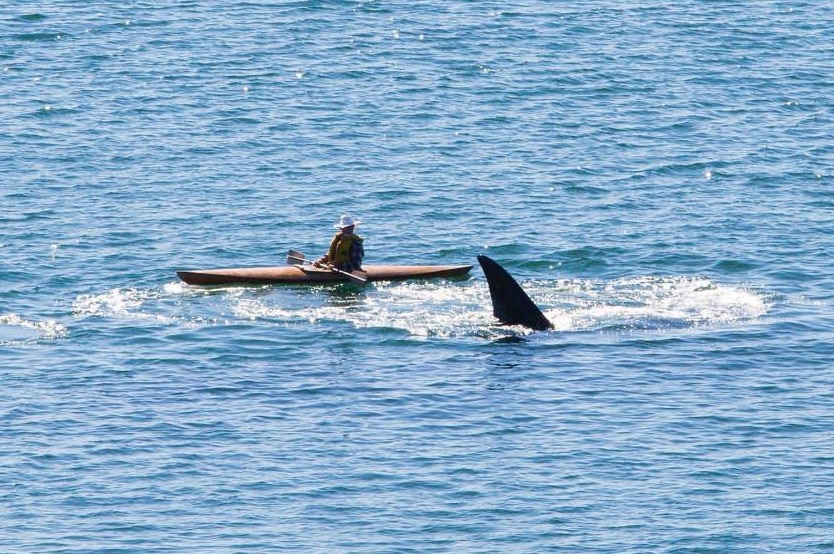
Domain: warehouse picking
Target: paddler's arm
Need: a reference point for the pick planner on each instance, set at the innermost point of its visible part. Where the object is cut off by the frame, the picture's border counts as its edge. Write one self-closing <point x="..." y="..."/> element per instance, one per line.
<point x="326" y="259"/>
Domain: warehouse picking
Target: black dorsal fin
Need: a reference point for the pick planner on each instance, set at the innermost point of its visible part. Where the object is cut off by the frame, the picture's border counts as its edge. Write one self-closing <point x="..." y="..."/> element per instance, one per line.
<point x="510" y="304"/>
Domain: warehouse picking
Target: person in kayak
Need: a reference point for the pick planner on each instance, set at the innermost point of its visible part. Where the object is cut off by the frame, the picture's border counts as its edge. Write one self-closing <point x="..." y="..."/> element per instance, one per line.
<point x="346" y="249"/>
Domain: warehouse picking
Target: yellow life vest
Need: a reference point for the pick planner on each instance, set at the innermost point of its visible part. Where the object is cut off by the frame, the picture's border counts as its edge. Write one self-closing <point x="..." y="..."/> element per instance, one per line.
<point x="342" y="247"/>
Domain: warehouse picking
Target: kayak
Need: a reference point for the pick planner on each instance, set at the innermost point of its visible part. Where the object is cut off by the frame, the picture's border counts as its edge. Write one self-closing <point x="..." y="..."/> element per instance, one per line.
<point x="309" y="274"/>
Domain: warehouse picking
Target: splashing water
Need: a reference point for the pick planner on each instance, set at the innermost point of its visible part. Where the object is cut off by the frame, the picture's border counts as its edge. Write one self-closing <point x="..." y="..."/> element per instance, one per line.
<point x="16" y="330"/>
<point x="652" y="303"/>
<point x="450" y="309"/>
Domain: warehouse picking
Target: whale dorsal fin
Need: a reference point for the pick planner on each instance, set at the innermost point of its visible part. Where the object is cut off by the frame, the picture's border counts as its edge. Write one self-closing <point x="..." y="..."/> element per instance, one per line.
<point x="510" y="304"/>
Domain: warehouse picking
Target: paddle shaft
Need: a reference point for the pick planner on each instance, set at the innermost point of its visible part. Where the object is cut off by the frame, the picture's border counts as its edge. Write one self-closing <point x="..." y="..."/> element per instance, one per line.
<point x="300" y="257"/>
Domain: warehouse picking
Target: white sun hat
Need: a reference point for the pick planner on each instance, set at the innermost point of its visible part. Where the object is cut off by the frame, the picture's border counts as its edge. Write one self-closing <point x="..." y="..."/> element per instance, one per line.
<point x="346" y="221"/>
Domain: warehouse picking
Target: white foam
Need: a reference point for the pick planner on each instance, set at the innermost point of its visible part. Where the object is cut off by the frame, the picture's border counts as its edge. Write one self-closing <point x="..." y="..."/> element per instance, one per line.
<point x="421" y="309"/>
<point x="15" y="329"/>
<point x="128" y="303"/>
<point x="653" y="303"/>
<point x="441" y="308"/>
<point x="118" y="302"/>
<point x="449" y="309"/>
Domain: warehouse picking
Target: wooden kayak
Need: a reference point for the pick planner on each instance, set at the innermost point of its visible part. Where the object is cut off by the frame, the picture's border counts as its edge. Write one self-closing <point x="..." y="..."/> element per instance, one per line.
<point x="309" y="274"/>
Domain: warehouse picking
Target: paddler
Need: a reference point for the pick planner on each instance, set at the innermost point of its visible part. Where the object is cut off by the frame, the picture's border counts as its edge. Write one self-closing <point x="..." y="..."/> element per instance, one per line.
<point x="346" y="250"/>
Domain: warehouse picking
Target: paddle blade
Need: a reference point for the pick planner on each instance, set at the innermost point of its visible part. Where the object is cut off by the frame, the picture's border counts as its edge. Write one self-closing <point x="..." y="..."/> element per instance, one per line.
<point x="510" y="304"/>
<point x="294" y="257"/>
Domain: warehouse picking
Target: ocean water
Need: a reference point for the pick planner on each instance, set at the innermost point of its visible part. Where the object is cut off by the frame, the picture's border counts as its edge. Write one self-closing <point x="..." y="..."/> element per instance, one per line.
<point x="658" y="176"/>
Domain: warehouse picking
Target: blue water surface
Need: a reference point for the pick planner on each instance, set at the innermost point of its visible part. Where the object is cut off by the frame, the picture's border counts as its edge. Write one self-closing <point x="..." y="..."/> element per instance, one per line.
<point x="658" y="177"/>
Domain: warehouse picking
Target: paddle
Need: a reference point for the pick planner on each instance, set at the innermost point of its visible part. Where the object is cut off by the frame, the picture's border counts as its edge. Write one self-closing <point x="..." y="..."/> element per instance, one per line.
<point x="294" y="258"/>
